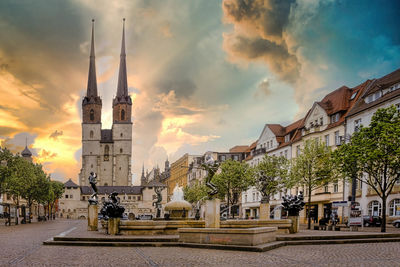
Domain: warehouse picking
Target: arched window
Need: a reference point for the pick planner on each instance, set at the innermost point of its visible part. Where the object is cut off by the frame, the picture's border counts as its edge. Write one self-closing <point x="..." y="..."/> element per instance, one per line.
<point x="92" y="115"/>
<point x="106" y="152"/>
<point x="394" y="207"/>
<point x="120" y="150"/>
<point x="374" y="208"/>
<point x="122" y="114"/>
<point x="91" y="134"/>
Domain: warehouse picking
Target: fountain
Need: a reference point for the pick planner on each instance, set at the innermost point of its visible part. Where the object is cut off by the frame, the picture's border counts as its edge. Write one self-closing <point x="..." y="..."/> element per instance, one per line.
<point x="178" y="208"/>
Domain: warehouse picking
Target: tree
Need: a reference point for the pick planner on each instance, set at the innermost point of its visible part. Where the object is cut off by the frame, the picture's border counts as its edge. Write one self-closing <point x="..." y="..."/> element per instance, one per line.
<point x="6" y="158"/>
<point x="196" y="192"/>
<point x="57" y="189"/>
<point x="234" y="178"/>
<point x="374" y="150"/>
<point x="272" y="176"/>
<point x="313" y="168"/>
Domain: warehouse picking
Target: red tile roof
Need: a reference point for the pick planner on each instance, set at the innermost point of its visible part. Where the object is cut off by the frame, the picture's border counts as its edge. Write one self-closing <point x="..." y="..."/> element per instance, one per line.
<point x="238" y="149"/>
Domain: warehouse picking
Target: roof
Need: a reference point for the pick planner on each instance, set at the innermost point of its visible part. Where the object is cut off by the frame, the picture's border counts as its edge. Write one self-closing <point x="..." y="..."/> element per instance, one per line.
<point x="277" y="129"/>
<point x="70" y="183"/>
<point x="238" y="149"/>
<point x="130" y="190"/>
<point x="26" y="152"/>
<point x="336" y="101"/>
<point x="374" y="86"/>
<point x="106" y="136"/>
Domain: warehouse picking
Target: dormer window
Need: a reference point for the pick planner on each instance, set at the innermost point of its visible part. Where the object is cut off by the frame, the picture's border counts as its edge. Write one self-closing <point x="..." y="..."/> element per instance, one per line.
<point x="335" y="117"/>
<point x="353" y="95"/>
<point x="373" y="97"/>
<point x="287" y="138"/>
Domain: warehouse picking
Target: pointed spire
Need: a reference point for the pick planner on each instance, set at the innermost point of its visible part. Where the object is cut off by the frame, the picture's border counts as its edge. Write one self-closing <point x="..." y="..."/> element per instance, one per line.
<point x="92" y="81"/>
<point x="122" y="89"/>
<point x="143" y="171"/>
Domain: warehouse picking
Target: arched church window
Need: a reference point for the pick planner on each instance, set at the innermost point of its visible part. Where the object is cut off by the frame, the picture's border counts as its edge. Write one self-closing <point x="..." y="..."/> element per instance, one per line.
<point x="106" y="152"/>
<point x="91" y="134"/>
<point x="92" y="115"/>
<point x="123" y="115"/>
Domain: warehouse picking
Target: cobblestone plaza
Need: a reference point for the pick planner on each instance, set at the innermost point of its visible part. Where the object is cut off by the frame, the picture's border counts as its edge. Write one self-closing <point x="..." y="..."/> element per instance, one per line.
<point x="22" y="246"/>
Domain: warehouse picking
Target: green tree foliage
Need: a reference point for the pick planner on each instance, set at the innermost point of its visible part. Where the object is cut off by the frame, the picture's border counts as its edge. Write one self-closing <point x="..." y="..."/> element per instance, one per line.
<point x="272" y="176"/>
<point x="375" y="151"/>
<point x="234" y="178"/>
<point x="6" y="158"/>
<point x="312" y="169"/>
<point x="195" y="192"/>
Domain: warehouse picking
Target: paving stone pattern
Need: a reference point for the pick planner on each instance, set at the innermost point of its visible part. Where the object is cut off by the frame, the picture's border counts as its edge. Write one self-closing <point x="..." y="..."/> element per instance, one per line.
<point x="22" y="246"/>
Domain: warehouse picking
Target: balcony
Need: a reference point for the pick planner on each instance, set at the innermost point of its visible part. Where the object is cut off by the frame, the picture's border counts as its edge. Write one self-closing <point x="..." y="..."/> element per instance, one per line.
<point x="259" y="151"/>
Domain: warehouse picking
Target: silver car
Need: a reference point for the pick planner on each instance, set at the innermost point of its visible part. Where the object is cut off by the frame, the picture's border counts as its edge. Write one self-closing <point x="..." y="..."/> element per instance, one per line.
<point x="396" y="223"/>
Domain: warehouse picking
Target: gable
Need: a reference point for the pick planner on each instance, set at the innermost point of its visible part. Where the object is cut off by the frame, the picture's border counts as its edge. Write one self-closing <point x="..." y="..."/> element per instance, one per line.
<point x="315" y="115"/>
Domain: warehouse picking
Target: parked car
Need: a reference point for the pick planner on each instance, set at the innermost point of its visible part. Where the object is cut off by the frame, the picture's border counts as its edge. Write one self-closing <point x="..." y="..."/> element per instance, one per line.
<point x="396" y="223"/>
<point x="372" y="220"/>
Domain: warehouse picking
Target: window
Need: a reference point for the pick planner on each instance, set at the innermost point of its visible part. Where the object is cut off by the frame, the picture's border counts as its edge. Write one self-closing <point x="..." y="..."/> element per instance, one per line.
<point x="335" y="117"/>
<point x="245" y="198"/>
<point x="327" y="140"/>
<point x="281" y="153"/>
<point x="121" y="135"/>
<point x="297" y="150"/>
<point x="223" y="157"/>
<point x="394" y="87"/>
<point x="254" y="197"/>
<point x="357" y="125"/>
<point x="92" y="115"/>
<point x="120" y="150"/>
<point x="335" y="187"/>
<point x="91" y="134"/>
<point x="337" y="138"/>
<point x="287" y="138"/>
<point x="321" y="121"/>
<point x="373" y="97"/>
<point x="66" y="196"/>
<point x="138" y="198"/>
<point x="286" y="153"/>
<point x="394" y="207"/>
<point x="122" y="114"/>
<point x="398" y="107"/>
<point x="83" y="198"/>
<point x="353" y="95"/>
<point x="106" y="153"/>
<point x="374" y="208"/>
<point x="70" y="196"/>
<point x="326" y="189"/>
<point x="236" y="157"/>
<point x="257" y="196"/>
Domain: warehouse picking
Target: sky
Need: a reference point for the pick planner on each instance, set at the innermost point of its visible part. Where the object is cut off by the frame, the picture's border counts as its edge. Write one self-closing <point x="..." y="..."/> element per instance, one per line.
<point x="203" y="75"/>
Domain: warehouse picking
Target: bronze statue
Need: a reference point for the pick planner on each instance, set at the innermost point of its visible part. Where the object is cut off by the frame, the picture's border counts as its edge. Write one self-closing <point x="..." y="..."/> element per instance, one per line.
<point x="111" y="207"/>
<point x="262" y="186"/>
<point x="157" y="203"/>
<point x="93" y="200"/>
<point x="211" y="167"/>
<point x="293" y="204"/>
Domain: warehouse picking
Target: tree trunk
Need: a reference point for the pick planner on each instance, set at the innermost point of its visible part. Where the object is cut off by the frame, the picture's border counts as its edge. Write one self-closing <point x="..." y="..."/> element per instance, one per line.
<point x="383" y="225"/>
<point x="30" y="210"/>
<point x="309" y="209"/>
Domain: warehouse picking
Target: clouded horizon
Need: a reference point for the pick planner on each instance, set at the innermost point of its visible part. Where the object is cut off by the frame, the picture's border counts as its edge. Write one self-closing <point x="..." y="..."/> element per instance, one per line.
<point x="203" y="75"/>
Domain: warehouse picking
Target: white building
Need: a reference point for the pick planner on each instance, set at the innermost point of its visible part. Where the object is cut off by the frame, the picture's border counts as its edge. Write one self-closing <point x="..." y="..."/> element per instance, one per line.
<point x="381" y="93"/>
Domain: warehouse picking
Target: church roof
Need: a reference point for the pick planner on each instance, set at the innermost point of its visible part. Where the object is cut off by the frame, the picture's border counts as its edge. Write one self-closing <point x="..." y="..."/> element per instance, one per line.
<point x="70" y="183"/>
<point x="92" y="81"/>
<point x="122" y="88"/>
<point x="130" y="190"/>
<point x="155" y="183"/>
<point x="26" y="152"/>
<point x="106" y="136"/>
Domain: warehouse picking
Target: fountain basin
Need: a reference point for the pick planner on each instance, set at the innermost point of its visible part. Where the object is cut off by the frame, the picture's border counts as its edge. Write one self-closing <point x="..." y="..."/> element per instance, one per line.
<point x="228" y="236"/>
<point x="178" y="209"/>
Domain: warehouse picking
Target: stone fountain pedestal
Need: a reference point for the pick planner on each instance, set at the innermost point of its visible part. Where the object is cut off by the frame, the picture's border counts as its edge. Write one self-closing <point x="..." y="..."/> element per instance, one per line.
<point x="212" y="213"/>
<point x="92" y="217"/>
<point x="264" y="211"/>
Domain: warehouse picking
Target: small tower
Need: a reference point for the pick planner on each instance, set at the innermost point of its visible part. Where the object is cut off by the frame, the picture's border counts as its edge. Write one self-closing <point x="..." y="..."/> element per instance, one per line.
<point x="143" y="178"/>
<point x="122" y="124"/>
<point x="91" y="121"/>
<point x="26" y="153"/>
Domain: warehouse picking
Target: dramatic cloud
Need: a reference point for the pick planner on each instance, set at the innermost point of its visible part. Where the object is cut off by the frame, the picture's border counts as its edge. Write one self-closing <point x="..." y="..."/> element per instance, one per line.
<point x="56" y="134"/>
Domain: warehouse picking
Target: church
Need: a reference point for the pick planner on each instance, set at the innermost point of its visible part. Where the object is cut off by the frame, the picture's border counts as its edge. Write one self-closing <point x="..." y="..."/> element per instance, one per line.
<point x="107" y="152"/>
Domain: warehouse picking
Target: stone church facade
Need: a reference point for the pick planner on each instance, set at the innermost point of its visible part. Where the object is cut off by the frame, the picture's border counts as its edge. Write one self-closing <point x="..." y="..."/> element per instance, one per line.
<point x="107" y="152"/>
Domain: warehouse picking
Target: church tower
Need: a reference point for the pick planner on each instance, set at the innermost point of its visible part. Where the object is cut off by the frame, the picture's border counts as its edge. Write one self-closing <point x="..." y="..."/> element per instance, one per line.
<point x="122" y="124"/>
<point x="91" y="121"/>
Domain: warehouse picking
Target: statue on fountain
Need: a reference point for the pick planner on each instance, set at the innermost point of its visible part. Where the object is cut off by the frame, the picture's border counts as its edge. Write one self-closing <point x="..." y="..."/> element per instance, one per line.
<point x="111" y="207"/>
<point x="262" y="185"/>
<point x="211" y="167"/>
<point x="293" y="204"/>
<point x="157" y="203"/>
<point x="93" y="200"/>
